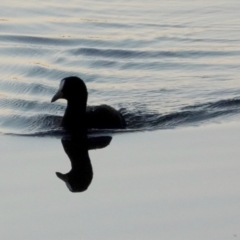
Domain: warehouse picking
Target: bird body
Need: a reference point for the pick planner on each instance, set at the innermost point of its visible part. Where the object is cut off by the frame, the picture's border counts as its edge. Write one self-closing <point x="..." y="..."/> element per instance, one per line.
<point x="104" y="117"/>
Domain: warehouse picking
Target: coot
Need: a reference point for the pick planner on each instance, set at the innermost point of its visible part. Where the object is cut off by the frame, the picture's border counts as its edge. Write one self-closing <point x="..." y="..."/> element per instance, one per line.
<point x="78" y="116"/>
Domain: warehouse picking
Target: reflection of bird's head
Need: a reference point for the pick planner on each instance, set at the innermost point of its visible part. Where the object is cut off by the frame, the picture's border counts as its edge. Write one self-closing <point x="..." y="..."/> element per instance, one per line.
<point x="71" y="88"/>
<point x="75" y="181"/>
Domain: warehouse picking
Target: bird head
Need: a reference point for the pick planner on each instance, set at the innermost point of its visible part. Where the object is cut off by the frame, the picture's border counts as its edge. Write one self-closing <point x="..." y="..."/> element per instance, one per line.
<point x="71" y="89"/>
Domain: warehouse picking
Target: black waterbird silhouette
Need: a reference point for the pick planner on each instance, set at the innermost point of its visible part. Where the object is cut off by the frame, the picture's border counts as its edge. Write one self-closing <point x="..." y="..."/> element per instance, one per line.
<point x="78" y="117"/>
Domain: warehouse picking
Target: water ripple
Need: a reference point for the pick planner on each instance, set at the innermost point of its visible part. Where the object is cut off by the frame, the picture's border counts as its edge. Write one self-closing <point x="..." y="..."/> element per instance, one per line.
<point x="129" y="54"/>
<point x="32" y="120"/>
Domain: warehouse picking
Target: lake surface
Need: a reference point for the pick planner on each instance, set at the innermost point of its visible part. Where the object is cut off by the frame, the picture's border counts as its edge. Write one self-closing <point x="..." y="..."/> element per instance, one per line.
<point x="164" y="64"/>
<point x="172" y="184"/>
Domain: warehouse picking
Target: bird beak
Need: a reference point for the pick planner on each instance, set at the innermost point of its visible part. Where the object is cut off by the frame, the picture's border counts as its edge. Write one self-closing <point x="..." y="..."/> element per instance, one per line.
<point x="57" y="96"/>
<point x="63" y="177"/>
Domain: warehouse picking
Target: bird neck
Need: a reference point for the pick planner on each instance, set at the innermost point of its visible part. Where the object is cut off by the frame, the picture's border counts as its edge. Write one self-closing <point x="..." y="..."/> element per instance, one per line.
<point x="74" y="106"/>
<point x="74" y="119"/>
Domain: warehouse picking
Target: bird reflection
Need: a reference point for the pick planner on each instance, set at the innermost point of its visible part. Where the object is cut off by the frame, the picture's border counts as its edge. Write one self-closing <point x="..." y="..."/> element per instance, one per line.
<point x="80" y="176"/>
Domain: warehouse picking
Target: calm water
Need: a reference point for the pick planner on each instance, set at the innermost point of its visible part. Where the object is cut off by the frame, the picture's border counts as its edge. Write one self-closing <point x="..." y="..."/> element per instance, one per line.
<point x="162" y="63"/>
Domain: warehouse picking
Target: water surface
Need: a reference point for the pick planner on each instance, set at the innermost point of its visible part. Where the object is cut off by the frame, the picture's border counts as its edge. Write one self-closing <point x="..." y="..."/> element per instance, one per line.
<point x="163" y="64"/>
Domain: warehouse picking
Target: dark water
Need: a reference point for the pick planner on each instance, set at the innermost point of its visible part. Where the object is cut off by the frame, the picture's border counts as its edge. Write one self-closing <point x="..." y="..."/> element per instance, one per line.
<point x="163" y="64"/>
